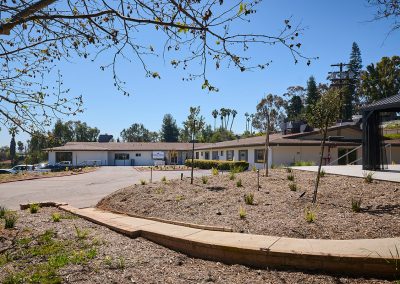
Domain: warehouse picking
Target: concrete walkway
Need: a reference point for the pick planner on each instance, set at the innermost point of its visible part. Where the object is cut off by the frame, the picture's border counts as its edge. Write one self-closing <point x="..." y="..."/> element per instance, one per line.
<point x="363" y="257"/>
<point x="392" y="174"/>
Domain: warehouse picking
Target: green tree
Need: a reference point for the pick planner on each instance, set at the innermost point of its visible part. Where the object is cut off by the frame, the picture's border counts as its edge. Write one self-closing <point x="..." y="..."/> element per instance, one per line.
<point x="188" y="124"/>
<point x="381" y="80"/>
<point x="20" y="146"/>
<point x="85" y="133"/>
<point x="137" y="133"/>
<point x="222" y="135"/>
<point x="312" y="95"/>
<point x="267" y="118"/>
<point x="63" y="132"/>
<point x="169" y="129"/>
<point x="324" y="114"/>
<point x="294" y="105"/>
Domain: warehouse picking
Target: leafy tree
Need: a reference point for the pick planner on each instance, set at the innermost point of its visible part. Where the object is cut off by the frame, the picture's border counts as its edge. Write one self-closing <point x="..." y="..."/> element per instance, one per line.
<point x="188" y="124"/>
<point x="267" y="118"/>
<point x="222" y="135"/>
<point x="169" y="129"/>
<point x="324" y="114"/>
<point x="387" y="9"/>
<point x="381" y="80"/>
<point x="138" y="133"/>
<point x="312" y="95"/>
<point x="85" y="133"/>
<point x="20" y="146"/>
<point x="63" y="133"/>
<point x="36" y="34"/>
<point x="4" y="153"/>
<point x="294" y="106"/>
<point x="206" y="134"/>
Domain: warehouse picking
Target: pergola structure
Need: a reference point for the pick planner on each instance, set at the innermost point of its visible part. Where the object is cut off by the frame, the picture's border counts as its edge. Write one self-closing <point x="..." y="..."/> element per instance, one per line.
<point x="373" y="146"/>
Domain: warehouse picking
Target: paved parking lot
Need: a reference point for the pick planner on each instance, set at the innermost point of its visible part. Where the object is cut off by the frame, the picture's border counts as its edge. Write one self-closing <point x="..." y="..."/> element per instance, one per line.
<point x="80" y="190"/>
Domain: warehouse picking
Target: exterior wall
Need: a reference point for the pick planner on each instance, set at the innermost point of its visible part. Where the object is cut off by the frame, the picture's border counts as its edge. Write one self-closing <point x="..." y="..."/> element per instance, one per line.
<point x="393" y="155"/>
<point x="51" y="158"/>
<point x="80" y="157"/>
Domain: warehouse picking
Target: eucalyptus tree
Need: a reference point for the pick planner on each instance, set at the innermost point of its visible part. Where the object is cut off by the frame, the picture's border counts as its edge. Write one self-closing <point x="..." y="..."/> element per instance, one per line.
<point x="38" y="34"/>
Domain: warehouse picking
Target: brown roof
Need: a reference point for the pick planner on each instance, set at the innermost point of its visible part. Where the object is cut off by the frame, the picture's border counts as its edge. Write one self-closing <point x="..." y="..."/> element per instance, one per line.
<point x="125" y="146"/>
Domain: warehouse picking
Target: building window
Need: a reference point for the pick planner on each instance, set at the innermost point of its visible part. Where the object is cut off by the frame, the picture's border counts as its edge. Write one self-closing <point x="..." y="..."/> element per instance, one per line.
<point x="243" y="155"/>
<point x="201" y="153"/>
<point x="138" y="154"/>
<point x="197" y="155"/>
<point x="121" y="156"/>
<point x="229" y="155"/>
<point x="222" y="153"/>
<point x="63" y="156"/>
<point x="207" y="155"/>
<point x="259" y="156"/>
<point x="215" y="155"/>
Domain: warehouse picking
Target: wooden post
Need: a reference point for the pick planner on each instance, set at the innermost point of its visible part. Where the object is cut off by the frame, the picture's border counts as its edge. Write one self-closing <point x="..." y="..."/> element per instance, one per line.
<point x="258" y="179"/>
<point x="151" y="174"/>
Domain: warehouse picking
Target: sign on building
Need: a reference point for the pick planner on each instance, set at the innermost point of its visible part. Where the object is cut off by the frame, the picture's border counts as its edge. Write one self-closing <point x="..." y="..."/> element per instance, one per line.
<point x="158" y="155"/>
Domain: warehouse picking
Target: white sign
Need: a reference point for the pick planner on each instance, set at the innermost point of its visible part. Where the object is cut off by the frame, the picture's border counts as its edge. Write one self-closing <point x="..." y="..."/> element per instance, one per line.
<point x="158" y="155"/>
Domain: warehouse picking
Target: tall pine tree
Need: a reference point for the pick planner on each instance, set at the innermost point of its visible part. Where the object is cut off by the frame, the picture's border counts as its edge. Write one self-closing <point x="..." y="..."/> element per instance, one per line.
<point x="351" y="98"/>
<point x="312" y="95"/>
<point x="169" y="129"/>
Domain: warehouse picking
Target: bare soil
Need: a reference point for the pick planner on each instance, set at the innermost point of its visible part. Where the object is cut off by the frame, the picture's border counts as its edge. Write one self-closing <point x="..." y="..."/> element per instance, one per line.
<point x="277" y="211"/>
<point x="30" y="253"/>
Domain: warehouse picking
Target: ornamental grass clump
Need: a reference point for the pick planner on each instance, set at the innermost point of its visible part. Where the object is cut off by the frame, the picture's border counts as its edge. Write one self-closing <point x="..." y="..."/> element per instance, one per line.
<point x="214" y="171"/>
<point x="310" y="215"/>
<point x="142" y="182"/>
<point x="322" y="173"/>
<point x="249" y="198"/>
<point x="204" y="179"/>
<point x="293" y="186"/>
<point x="356" y="205"/>
<point x="10" y="218"/>
<point x="368" y="176"/>
<point x="56" y="217"/>
<point x="3" y="211"/>
<point x="290" y="177"/>
<point x="239" y="183"/>
<point x="232" y="176"/>
<point x="164" y="179"/>
<point x="242" y="212"/>
<point x="34" y="208"/>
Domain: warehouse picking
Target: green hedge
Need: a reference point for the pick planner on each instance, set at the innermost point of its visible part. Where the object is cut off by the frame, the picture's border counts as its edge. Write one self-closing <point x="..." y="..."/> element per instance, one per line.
<point x="220" y="165"/>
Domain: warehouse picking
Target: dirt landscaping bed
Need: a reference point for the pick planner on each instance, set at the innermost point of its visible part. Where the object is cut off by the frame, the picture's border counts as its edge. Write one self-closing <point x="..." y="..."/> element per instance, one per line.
<point x="4" y="178"/>
<point x="277" y="210"/>
<point x="163" y="168"/>
<point x="39" y="250"/>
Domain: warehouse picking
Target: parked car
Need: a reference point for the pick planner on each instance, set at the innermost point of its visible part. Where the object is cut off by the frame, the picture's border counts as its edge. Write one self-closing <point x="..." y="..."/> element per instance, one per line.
<point x="21" y="168"/>
<point x="4" y="171"/>
<point x="42" y="167"/>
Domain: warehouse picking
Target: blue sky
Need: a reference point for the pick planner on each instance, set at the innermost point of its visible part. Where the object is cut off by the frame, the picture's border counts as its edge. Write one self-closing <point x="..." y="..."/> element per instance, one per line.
<point x="331" y="28"/>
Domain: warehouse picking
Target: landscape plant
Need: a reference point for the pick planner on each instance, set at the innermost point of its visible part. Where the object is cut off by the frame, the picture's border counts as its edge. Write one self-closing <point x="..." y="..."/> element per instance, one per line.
<point x="249" y="198"/>
<point x="368" y="176"/>
<point x="204" y="179"/>
<point x="3" y="211"/>
<point x="290" y="177"/>
<point x="164" y="179"/>
<point x="239" y="183"/>
<point x="293" y="186"/>
<point x="214" y="171"/>
<point x="232" y="176"/>
<point x="56" y="217"/>
<point x="34" y="208"/>
<point x="242" y="212"/>
<point x="143" y="182"/>
<point x="324" y="114"/>
<point x="356" y="205"/>
<point x="310" y="214"/>
<point x="10" y="218"/>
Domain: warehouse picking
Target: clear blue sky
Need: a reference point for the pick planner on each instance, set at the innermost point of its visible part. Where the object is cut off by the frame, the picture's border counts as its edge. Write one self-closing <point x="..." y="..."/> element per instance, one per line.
<point x="331" y="28"/>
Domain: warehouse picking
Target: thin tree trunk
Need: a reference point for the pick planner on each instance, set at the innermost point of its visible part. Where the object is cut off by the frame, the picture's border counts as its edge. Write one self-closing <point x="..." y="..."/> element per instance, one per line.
<point x="319" y="166"/>
<point x="266" y="148"/>
<point x="233" y="118"/>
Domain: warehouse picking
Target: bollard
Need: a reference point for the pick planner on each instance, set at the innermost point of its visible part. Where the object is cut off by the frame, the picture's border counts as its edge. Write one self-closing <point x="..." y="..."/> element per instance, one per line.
<point x="181" y="176"/>
<point x="151" y="174"/>
<point x="258" y="179"/>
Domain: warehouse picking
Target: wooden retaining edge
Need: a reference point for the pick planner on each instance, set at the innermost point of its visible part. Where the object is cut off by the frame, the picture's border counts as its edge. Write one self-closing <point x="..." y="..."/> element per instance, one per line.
<point x="179" y="223"/>
<point x="303" y="259"/>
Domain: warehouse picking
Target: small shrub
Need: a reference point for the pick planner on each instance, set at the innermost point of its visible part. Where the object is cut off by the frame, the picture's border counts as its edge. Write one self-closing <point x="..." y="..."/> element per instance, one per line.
<point x="368" y="176"/>
<point x="254" y="168"/>
<point x="81" y="234"/>
<point x="214" y="171"/>
<point x="356" y="205"/>
<point x="239" y="183"/>
<point x="56" y="217"/>
<point x="142" y="182"/>
<point x="242" y="212"/>
<point x="204" y="179"/>
<point x="164" y="179"/>
<point x="159" y="190"/>
<point x="310" y="215"/>
<point x="322" y="173"/>
<point x="121" y="263"/>
<point x="289" y="170"/>
<point x="3" y="211"/>
<point x="290" y="177"/>
<point x="232" y="176"/>
<point x="303" y="163"/>
<point x="218" y="164"/>
<point x="293" y="186"/>
<point x="33" y="208"/>
<point x="249" y="199"/>
<point x="10" y="218"/>
<point x="108" y="260"/>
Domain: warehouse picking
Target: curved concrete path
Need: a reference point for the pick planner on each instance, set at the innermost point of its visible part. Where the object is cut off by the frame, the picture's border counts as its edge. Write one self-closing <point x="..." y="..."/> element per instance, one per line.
<point x="363" y="257"/>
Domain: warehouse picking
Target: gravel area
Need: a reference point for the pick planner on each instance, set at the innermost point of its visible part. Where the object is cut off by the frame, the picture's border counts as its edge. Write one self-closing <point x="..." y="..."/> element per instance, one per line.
<point x="119" y="259"/>
<point x="277" y="211"/>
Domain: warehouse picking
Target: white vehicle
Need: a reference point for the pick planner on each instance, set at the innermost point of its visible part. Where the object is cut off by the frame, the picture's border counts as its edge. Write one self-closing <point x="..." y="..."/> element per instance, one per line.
<point x="21" y="168"/>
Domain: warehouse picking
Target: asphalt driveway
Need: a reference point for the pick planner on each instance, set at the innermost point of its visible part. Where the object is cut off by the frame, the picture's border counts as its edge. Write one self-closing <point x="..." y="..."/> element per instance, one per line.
<point x="79" y="190"/>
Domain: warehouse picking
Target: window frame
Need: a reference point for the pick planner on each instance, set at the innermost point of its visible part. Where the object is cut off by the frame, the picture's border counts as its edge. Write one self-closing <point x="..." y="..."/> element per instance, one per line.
<point x="256" y="160"/>
<point x="124" y="155"/>
<point x="227" y="155"/>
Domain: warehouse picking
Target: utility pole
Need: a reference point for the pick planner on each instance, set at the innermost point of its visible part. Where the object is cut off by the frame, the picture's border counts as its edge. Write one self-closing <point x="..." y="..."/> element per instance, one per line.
<point x="339" y="79"/>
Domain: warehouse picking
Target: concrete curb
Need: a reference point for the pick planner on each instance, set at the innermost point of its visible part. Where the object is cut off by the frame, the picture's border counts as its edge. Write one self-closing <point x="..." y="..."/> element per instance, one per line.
<point x="364" y="257"/>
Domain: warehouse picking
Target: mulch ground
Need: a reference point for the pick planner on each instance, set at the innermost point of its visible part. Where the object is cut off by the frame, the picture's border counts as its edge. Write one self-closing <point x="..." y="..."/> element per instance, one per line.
<point x="277" y="211"/>
<point x="114" y="258"/>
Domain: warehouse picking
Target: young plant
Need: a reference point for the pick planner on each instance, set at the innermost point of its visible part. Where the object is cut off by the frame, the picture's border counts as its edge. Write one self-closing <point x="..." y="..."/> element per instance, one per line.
<point x="239" y="183"/>
<point x="356" y="205"/>
<point x="3" y="211"/>
<point x="81" y="234"/>
<point x="290" y="177"/>
<point x="164" y="179"/>
<point x="204" y="179"/>
<point x="293" y="186"/>
<point x="121" y="263"/>
<point x="10" y="218"/>
<point x="254" y="168"/>
<point x="232" y="176"/>
<point x="289" y="170"/>
<point x="322" y="173"/>
<point x="159" y="190"/>
<point x="214" y="171"/>
<point x="249" y="199"/>
<point x="242" y="212"/>
<point x="143" y="182"/>
<point x="179" y="198"/>
<point x="310" y="215"/>
<point x="56" y="217"/>
<point x="33" y="208"/>
<point x="368" y="176"/>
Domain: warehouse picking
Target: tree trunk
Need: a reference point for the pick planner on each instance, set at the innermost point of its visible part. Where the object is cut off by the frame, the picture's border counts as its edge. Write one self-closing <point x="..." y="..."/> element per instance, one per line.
<point x="266" y="148"/>
<point x="320" y="165"/>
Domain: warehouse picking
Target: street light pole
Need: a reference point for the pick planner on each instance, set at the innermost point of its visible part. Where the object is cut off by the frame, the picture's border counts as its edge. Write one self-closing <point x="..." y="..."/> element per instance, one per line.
<point x="193" y="135"/>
